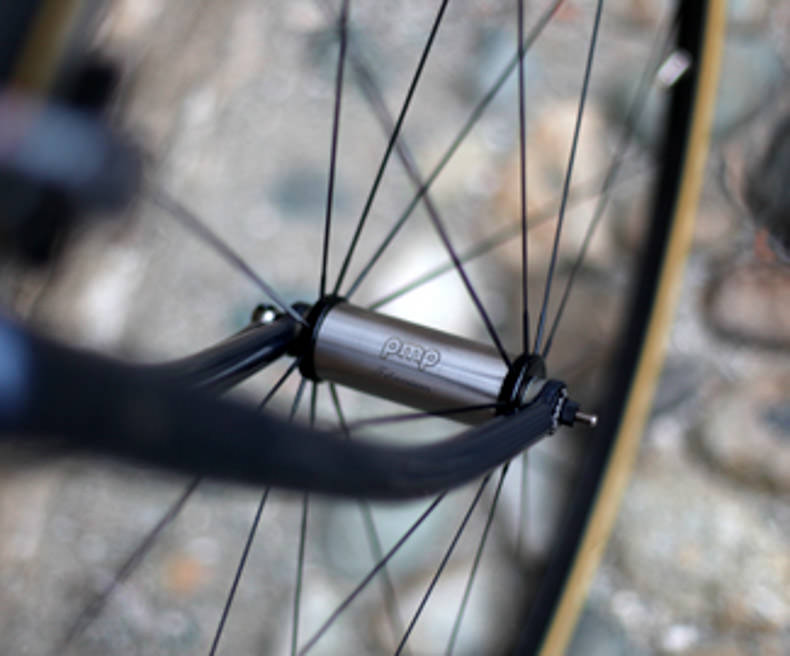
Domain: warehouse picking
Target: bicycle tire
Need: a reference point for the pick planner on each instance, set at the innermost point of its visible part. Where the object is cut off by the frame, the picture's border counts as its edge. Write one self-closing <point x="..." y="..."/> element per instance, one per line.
<point x="554" y="630"/>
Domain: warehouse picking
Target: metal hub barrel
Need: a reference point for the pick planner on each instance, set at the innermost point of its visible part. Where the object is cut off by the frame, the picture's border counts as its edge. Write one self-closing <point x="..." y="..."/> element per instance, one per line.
<point x="411" y="364"/>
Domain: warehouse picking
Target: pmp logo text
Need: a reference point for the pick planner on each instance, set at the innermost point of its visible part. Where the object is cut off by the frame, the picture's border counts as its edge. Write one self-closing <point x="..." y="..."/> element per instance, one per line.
<point x="423" y="357"/>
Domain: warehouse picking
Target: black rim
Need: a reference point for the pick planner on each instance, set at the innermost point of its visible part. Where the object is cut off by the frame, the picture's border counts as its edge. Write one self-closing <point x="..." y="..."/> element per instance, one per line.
<point x="691" y="23"/>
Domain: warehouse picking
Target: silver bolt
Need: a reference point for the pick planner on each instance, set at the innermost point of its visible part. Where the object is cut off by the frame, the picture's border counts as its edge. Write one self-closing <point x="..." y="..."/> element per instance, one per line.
<point x="586" y="419"/>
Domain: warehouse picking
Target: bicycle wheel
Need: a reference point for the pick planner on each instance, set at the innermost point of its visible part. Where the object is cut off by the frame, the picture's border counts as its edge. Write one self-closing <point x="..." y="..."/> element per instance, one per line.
<point x="543" y="564"/>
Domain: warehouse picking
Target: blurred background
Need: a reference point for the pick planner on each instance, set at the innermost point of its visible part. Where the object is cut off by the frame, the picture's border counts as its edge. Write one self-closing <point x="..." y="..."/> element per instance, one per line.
<point x="231" y="103"/>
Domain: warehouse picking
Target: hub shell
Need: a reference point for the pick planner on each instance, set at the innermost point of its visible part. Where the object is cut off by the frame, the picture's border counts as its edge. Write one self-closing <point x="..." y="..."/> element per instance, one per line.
<point x="406" y="363"/>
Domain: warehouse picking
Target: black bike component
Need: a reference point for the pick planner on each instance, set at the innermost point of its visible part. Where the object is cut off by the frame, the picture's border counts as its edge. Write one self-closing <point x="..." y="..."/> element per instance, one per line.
<point x="98" y="406"/>
<point x="568" y="413"/>
<point x="524" y="368"/>
<point x="305" y="347"/>
<point x="226" y="364"/>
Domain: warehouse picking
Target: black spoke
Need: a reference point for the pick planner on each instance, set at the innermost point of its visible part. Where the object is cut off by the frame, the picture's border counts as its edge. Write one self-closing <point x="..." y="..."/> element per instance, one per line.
<point x="413" y="416"/>
<point x="370" y="575"/>
<point x="374" y="542"/>
<point x="460" y="137"/>
<point x="377" y="553"/>
<point x="302" y="526"/>
<point x="522" y="129"/>
<point x="568" y="173"/>
<point x="92" y="610"/>
<point x="440" y="229"/>
<point x="476" y="563"/>
<point x="629" y="125"/>
<point x="374" y="97"/>
<point x="299" y="572"/>
<point x="392" y="141"/>
<point x="580" y="194"/>
<point x="522" y="504"/>
<point x="291" y="368"/>
<point x="239" y="569"/>
<point x="190" y="220"/>
<point x="443" y="563"/>
<point x="330" y="192"/>
<point x="253" y="528"/>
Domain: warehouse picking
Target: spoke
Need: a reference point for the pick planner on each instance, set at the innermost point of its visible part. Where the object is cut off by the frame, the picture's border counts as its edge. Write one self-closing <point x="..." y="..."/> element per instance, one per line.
<point x="302" y="527"/>
<point x="476" y="563"/>
<point x="253" y="529"/>
<point x="522" y="504"/>
<point x="387" y="587"/>
<point x="635" y="110"/>
<point x="568" y="174"/>
<point x="291" y="368"/>
<point x="92" y="610"/>
<point x="299" y="572"/>
<point x="374" y="97"/>
<point x="443" y="562"/>
<point x="190" y="220"/>
<point x="374" y="542"/>
<point x="343" y="28"/>
<point x="370" y="575"/>
<point x="239" y="569"/>
<point x="579" y="194"/>
<point x="313" y="403"/>
<point x="467" y="282"/>
<point x="523" y="161"/>
<point x="412" y="416"/>
<point x="460" y="137"/>
<point x="392" y="141"/>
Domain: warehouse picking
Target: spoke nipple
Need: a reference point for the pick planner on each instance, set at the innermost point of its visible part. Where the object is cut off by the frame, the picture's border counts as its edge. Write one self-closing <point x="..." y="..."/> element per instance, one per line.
<point x="586" y="418"/>
<point x="674" y="67"/>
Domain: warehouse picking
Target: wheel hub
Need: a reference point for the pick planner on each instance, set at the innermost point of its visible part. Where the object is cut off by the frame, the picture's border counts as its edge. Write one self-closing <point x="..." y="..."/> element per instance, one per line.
<point x="418" y="366"/>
